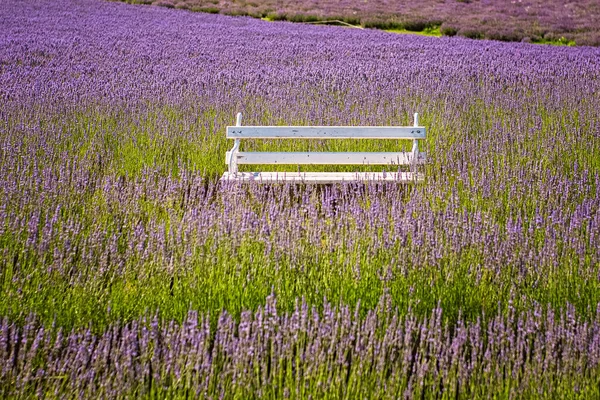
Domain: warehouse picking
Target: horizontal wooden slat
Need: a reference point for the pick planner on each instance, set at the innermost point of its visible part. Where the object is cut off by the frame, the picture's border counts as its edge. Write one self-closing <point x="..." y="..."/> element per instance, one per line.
<point x="322" y="158"/>
<point x="322" y="177"/>
<point x="325" y="132"/>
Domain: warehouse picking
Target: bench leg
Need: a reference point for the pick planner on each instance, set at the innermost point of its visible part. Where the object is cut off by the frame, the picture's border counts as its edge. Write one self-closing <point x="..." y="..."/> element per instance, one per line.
<point x="232" y="162"/>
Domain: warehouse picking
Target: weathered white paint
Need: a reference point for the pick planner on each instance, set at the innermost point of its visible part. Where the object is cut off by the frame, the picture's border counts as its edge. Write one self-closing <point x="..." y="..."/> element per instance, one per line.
<point x="324" y="158"/>
<point x="415" y="148"/>
<point x="325" y="132"/>
<point x="321" y="177"/>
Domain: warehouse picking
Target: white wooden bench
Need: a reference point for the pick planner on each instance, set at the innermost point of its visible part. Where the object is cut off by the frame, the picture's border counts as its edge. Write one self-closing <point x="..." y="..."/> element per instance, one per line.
<point x="235" y="157"/>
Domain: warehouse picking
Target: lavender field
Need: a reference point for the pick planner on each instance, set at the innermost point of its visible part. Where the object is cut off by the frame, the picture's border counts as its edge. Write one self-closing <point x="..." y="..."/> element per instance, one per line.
<point x="127" y="270"/>
<point x="538" y="21"/>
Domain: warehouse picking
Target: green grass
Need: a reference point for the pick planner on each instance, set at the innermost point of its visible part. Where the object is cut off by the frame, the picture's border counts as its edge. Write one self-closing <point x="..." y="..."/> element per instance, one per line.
<point x="555" y="42"/>
<point x="430" y="31"/>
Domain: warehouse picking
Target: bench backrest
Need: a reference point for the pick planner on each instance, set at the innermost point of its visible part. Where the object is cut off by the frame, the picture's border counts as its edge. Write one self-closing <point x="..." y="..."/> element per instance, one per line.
<point x="238" y="132"/>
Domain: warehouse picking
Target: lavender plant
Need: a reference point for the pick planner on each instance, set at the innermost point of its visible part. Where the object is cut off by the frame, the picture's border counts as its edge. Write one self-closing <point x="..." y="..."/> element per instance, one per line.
<point x="306" y="353"/>
<point x="112" y="140"/>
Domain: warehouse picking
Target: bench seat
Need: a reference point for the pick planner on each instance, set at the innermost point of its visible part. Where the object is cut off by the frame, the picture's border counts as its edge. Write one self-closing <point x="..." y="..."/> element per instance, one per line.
<point x="322" y="177"/>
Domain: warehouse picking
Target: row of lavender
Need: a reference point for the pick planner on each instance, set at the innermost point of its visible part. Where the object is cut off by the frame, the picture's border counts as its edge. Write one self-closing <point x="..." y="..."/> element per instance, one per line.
<point x="113" y="133"/>
<point x="130" y="244"/>
<point x="309" y="354"/>
<point x="529" y="20"/>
